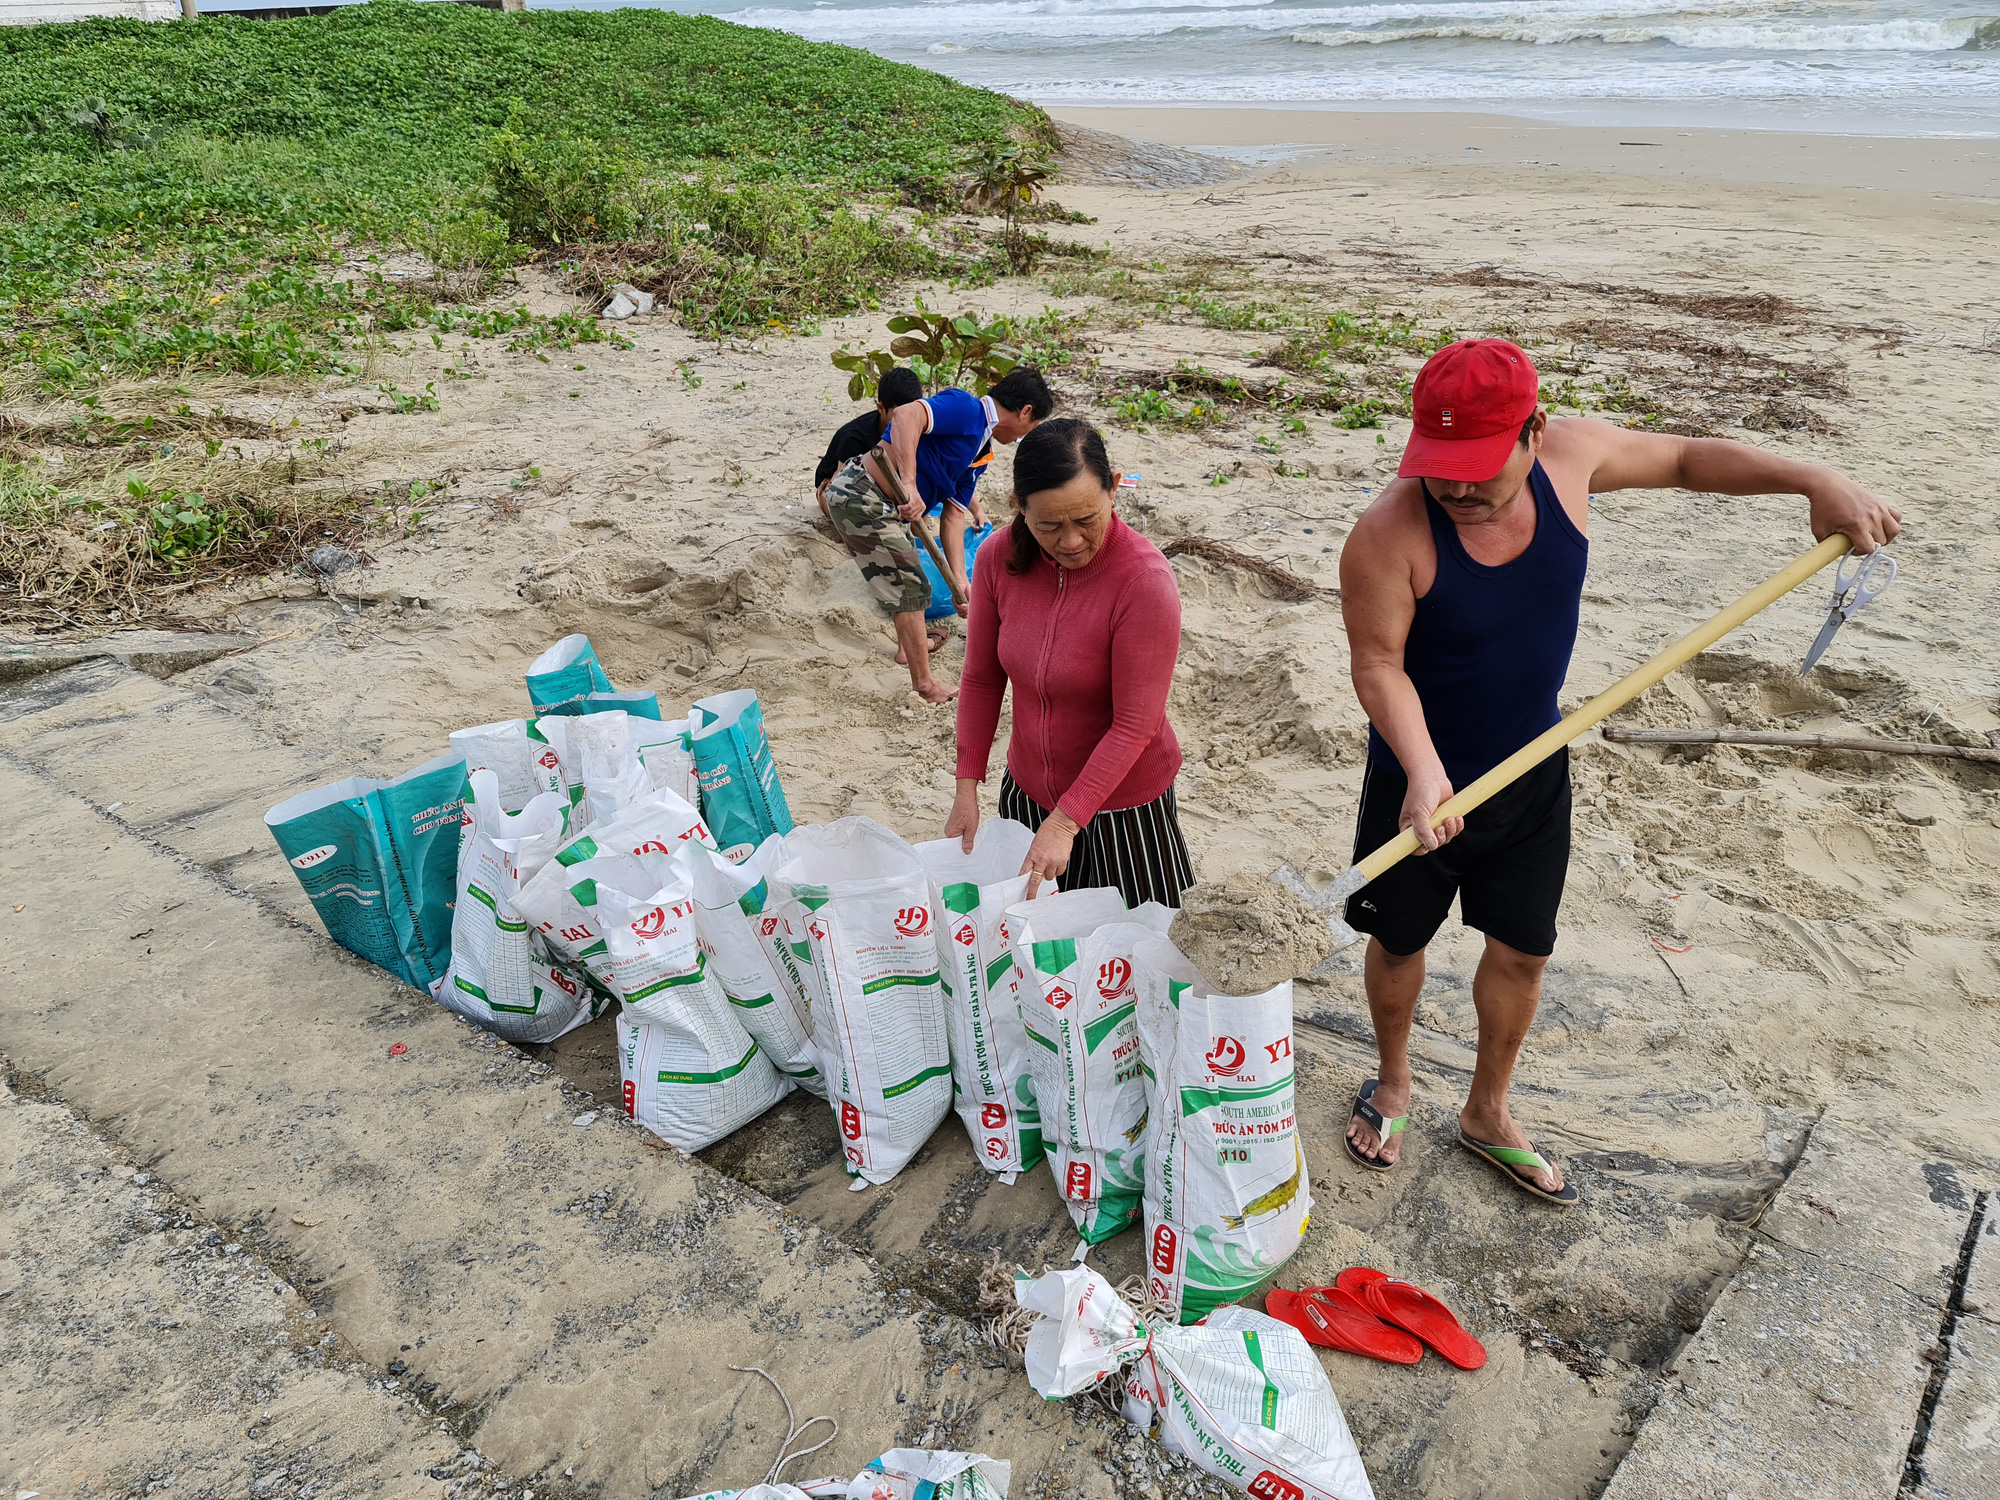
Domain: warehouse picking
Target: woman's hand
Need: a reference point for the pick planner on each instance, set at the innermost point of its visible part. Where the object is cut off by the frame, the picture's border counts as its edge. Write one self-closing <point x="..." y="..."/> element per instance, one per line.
<point x="1048" y="856"/>
<point x="963" y="823"/>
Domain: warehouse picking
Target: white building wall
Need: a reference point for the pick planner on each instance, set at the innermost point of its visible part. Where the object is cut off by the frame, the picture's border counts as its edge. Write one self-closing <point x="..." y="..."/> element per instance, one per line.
<point x="30" y="12"/>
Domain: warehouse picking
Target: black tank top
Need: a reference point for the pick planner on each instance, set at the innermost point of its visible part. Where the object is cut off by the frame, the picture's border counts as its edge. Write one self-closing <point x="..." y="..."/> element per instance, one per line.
<point x="1489" y="647"/>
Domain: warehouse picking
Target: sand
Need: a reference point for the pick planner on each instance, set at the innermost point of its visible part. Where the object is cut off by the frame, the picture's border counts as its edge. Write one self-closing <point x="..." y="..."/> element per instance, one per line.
<point x="1246" y="934"/>
<point x="1747" y="935"/>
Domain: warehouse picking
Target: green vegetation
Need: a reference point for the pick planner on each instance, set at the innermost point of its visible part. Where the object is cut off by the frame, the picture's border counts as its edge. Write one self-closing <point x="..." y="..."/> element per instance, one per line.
<point x="216" y="194"/>
<point x="941" y="348"/>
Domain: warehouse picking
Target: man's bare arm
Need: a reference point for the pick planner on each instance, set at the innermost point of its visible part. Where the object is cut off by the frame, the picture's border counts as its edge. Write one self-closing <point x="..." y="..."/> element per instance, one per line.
<point x="907" y="424"/>
<point x="1378" y="604"/>
<point x="1620" y="459"/>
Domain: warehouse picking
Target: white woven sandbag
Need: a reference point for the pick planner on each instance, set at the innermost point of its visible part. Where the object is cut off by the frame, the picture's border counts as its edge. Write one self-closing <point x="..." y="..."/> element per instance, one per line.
<point x="515" y="751"/>
<point x="1243" y="1396"/>
<point x="668" y="755"/>
<point x="862" y="901"/>
<point x="602" y="764"/>
<point x="994" y="1093"/>
<point x="726" y="897"/>
<point x="691" y="1073"/>
<point x="1228" y="1196"/>
<point x="778" y="924"/>
<point x="502" y="975"/>
<point x="1078" y="1006"/>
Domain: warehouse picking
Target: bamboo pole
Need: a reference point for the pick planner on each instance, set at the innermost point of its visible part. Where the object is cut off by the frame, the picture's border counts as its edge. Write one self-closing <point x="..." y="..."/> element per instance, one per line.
<point x="893" y="482"/>
<point x="1549" y="741"/>
<point x="1792" y="741"/>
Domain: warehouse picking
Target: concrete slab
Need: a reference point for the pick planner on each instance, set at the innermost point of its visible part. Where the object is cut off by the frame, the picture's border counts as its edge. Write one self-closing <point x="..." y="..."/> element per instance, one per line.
<point x="111" y="1287"/>
<point x="1807" y="1375"/>
<point x="568" y="1294"/>
<point x="1961" y="1452"/>
<point x="158" y="652"/>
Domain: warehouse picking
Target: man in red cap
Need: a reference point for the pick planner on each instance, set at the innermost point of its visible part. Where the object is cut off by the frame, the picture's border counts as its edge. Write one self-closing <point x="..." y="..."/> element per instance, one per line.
<point x="1460" y="587"/>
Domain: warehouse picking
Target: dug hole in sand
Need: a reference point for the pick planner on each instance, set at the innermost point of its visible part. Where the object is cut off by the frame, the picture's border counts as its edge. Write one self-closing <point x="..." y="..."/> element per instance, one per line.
<point x="1246" y="934"/>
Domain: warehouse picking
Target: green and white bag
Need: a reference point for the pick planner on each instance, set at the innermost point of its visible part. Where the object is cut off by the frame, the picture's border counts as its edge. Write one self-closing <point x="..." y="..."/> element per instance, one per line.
<point x="379" y="862"/>
<point x="740" y="794"/>
<point x="729" y="897"/>
<point x="1228" y="1196"/>
<point x="1078" y="1006"/>
<point x="863" y="903"/>
<point x="992" y="1086"/>
<point x="518" y="754"/>
<point x="564" y="675"/>
<point x="690" y="1073"/>
<point x="503" y="976"/>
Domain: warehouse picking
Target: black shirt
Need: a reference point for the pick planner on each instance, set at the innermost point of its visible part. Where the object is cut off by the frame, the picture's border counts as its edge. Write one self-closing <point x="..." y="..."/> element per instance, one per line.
<point x="853" y="440"/>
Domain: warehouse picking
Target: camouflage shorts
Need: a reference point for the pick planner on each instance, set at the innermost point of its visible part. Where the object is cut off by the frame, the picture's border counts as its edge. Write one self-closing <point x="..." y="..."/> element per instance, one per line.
<point x="880" y="542"/>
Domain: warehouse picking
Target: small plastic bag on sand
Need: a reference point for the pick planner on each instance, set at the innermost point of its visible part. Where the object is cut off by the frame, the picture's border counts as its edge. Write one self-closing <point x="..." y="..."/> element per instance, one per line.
<point x="994" y="1091"/>
<point x="691" y="1074"/>
<point x="564" y="675"/>
<point x="1227" y="1192"/>
<point x="522" y="759"/>
<point x="503" y="976"/>
<point x="1243" y="1396"/>
<point x="899" y="1474"/>
<point x="379" y="862"/>
<point x="860" y="895"/>
<point x="739" y="780"/>
<point x="601" y="760"/>
<point x="1078" y="1006"/>
<point x="729" y="897"/>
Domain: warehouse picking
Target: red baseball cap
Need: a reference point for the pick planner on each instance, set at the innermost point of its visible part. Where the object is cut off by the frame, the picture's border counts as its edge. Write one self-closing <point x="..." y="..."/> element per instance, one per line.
<point x="1470" y="401"/>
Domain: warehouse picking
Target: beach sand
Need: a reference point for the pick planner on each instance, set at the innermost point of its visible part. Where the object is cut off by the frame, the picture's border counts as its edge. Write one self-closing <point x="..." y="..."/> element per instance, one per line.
<point x="1749" y="937"/>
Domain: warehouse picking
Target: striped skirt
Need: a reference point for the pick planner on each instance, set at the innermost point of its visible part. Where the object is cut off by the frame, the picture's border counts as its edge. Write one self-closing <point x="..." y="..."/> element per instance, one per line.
<point x="1139" y="850"/>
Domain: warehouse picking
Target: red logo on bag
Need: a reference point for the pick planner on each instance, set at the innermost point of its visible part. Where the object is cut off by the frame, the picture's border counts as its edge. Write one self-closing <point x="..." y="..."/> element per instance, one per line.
<point x="817" y="930"/>
<point x="993" y="1116"/>
<point x="563" y="982"/>
<point x="850" y="1123"/>
<point x="854" y="1155"/>
<point x="1078" y="1185"/>
<point x="631" y="1099"/>
<point x="913" y="921"/>
<point x="965" y="934"/>
<point x="995" y="1147"/>
<point x="464" y="817"/>
<point x="652" y="924"/>
<point x="1227" y="1057"/>
<point x="1003" y="931"/>
<point x="1160" y="1290"/>
<point x="547" y="760"/>
<point x="1059" y="996"/>
<point x="1113" y="975"/>
<point x="1165" y="1245"/>
<point x="652" y="846"/>
<point x="770" y="925"/>
<point x="1270" y="1486"/>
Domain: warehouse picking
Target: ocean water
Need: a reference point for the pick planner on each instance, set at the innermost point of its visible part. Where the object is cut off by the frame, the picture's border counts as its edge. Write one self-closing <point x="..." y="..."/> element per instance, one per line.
<point x="1903" y="67"/>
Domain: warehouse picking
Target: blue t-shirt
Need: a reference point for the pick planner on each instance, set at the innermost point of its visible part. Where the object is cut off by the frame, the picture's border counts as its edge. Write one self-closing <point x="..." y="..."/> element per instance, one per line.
<point x="960" y="424"/>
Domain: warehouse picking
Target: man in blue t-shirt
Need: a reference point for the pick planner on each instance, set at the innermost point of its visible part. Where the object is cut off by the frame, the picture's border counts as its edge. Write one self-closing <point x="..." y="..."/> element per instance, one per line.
<point x="938" y="447"/>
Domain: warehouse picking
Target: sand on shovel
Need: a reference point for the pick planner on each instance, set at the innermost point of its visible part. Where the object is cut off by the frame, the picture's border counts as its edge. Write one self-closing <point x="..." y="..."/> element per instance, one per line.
<point x="1247" y="934"/>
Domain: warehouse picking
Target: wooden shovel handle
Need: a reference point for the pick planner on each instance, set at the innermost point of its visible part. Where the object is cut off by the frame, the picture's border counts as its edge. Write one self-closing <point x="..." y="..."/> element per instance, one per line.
<point x="1612" y="699"/>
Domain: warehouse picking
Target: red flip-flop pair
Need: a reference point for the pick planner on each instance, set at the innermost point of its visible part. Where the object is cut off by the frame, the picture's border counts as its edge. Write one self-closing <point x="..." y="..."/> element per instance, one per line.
<point x="1365" y="1312"/>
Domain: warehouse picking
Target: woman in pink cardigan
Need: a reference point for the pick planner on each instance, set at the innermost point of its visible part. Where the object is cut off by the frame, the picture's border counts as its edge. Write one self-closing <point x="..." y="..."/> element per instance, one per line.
<point x="1085" y="620"/>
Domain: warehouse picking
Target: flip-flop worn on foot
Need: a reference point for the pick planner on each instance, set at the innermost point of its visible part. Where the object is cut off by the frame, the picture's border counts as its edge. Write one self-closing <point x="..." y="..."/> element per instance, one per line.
<point x="1332" y="1319"/>
<point x="1409" y="1307"/>
<point x="1507" y="1158"/>
<point x="1384" y="1128"/>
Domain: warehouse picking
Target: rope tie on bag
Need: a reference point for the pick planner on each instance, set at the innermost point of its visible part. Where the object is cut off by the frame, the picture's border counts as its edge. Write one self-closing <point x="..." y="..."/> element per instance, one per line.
<point x="794" y="1428"/>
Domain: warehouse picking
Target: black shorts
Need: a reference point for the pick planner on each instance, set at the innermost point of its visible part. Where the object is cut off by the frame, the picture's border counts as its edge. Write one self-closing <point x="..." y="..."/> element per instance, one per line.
<point x="1506" y="868"/>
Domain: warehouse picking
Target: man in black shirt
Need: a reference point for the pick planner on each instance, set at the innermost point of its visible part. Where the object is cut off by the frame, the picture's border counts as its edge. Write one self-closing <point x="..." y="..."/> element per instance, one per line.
<point x="899" y="387"/>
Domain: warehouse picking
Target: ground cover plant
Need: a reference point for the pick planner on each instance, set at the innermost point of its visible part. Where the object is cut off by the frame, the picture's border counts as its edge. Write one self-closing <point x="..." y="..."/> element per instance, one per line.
<point x="184" y="197"/>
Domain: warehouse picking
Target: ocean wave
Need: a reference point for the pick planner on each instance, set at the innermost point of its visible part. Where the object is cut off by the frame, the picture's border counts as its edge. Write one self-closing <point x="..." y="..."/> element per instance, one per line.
<point x="1973" y="33"/>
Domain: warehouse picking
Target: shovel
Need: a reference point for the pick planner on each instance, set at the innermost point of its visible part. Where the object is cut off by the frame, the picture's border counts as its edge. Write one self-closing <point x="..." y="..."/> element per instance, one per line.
<point x="893" y="483"/>
<point x="1551" y="740"/>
